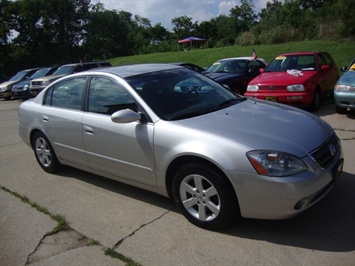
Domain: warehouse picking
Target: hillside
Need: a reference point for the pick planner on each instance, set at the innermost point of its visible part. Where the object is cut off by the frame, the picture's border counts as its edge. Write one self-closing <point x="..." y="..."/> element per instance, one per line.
<point x="342" y="52"/>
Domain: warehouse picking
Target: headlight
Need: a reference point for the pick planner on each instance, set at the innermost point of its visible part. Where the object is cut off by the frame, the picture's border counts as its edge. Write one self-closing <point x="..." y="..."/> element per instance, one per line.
<point x="25" y="87"/>
<point x="295" y="87"/>
<point x="344" y="88"/>
<point x="252" y="88"/>
<point x="46" y="82"/>
<point x="274" y="163"/>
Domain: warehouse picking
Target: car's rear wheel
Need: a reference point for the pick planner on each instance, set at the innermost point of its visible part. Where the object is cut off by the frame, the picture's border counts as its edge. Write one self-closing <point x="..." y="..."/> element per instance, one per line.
<point x="44" y="153"/>
<point x="204" y="196"/>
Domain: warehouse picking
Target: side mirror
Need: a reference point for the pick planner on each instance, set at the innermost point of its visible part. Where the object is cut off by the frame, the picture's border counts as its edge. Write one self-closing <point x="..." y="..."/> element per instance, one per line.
<point x="125" y="116"/>
<point x="343" y="69"/>
<point x="261" y="70"/>
<point x="325" y="67"/>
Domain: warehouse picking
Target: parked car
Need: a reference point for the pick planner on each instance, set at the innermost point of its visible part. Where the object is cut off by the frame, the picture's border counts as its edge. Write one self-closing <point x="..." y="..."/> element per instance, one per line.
<point x="39" y="84"/>
<point x="299" y="79"/>
<point x="191" y="66"/>
<point x="235" y="72"/>
<point x="6" y="87"/>
<point x="217" y="154"/>
<point x="21" y="89"/>
<point x="344" y="90"/>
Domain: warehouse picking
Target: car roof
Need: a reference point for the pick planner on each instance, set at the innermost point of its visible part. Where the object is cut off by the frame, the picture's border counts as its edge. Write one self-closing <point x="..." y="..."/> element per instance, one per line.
<point x="250" y="58"/>
<point x="29" y="69"/>
<point x="302" y="53"/>
<point x="137" y="69"/>
<point x="85" y="63"/>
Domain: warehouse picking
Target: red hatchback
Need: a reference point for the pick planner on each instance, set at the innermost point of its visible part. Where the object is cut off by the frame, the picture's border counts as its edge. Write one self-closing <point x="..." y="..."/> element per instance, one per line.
<point x="298" y="79"/>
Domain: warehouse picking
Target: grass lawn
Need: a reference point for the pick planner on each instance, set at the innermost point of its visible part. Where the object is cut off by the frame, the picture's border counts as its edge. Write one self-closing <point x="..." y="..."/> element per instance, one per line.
<point x="342" y="52"/>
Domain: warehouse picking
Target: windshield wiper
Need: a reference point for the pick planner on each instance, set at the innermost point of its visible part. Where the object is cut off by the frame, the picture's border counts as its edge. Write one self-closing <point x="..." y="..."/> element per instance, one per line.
<point x="187" y="115"/>
<point x="229" y="102"/>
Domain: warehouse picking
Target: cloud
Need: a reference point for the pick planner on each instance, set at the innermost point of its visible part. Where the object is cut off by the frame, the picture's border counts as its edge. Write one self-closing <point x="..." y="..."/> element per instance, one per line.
<point x="163" y="11"/>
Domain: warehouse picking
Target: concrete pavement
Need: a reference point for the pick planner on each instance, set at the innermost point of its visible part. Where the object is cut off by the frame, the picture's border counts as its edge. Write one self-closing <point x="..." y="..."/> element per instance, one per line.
<point x="138" y="225"/>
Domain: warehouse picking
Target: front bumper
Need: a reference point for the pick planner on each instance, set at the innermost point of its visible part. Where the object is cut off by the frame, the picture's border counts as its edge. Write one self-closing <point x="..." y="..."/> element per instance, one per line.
<point x="275" y="198"/>
<point x="345" y="100"/>
<point x="21" y="94"/>
<point x="6" y="94"/>
<point x="299" y="99"/>
<point x="35" y="90"/>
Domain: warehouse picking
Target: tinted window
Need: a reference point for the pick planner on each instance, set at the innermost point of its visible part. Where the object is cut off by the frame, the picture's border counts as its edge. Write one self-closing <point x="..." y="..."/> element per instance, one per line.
<point x="328" y="59"/>
<point x="180" y="93"/>
<point x="107" y="96"/>
<point x="64" y="70"/>
<point x="67" y="94"/>
<point x="299" y="62"/>
<point x="254" y="66"/>
<point x="321" y="60"/>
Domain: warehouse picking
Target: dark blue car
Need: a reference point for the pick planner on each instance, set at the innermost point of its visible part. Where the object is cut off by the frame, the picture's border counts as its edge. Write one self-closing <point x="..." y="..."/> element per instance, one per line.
<point x="235" y="72"/>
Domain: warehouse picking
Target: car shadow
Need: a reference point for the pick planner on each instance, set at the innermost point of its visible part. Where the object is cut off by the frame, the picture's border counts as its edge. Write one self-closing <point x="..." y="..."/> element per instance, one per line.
<point x="133" y="192"/>
<point x="327" y="226"/>
<point x="328" y="108"/>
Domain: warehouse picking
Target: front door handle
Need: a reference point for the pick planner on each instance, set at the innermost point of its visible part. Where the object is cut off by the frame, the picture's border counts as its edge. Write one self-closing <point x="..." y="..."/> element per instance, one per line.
<point x="88" y="130"/>
<point x="45" y="118"/>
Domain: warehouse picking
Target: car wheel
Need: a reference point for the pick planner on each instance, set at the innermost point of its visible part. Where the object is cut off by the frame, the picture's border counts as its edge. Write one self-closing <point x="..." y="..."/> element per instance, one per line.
<point x="340" y="110"/>
<point x="44" y="153"/>
<point x="316" y="101"/>
<point x="204" y="196"/>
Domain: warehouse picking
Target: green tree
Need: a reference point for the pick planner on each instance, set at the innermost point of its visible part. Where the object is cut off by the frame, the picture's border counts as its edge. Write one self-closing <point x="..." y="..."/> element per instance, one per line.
<point x="108" y="34"/>
<point x="243" y="16"/>
<point x="183" y="26"/>
<point x="5" y="35"/>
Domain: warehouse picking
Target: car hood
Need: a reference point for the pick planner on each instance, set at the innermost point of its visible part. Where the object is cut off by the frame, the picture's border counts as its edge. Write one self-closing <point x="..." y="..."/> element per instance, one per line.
<point x="282" y="78"/>
<point x="348" y="78"/>
<point x="23" y="83"/>
<point x="222" y="76"/>
<point x="7" y="83"/>
<point x="265" y="125"/>
<point x="51" y="77"/>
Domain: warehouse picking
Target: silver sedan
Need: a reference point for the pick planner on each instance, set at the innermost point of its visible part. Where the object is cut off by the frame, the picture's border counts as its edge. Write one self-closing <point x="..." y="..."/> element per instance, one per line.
<point x="175" y="132"/>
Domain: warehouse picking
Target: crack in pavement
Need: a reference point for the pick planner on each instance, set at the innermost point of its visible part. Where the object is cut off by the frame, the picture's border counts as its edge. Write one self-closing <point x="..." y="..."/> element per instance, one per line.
<point x="53" y="244"/>
<point x="139" y="228"/>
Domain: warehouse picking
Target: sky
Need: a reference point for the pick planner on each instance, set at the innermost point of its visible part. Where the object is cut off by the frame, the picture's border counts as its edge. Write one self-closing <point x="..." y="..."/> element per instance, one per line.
<point x="163" y="11"/>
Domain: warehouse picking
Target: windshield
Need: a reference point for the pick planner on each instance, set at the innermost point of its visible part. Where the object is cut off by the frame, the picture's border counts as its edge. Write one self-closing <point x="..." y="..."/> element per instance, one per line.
<point x="19" y="75"/>
<point x="63" y="70"/>
<point x="227" y="66"/>
<point x="181" y="93"/>
<point x="291" y="62"/>
<point x="40" y="73"/>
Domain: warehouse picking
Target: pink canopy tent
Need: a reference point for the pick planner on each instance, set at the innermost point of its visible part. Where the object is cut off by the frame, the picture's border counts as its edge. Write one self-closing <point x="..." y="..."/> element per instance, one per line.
<point x="191" y="39"/>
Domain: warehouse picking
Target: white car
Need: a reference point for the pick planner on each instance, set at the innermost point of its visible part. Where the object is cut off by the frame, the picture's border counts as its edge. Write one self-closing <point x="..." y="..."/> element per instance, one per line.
<point x="176" y="132"/>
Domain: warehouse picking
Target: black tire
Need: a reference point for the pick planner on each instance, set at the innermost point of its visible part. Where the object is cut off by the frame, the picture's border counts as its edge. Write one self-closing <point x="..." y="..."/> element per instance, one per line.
<point x="316" y="101"/>
<point x="340" y="110"/>
<point x="204" y="196"/>
<point x="44" y="153"/>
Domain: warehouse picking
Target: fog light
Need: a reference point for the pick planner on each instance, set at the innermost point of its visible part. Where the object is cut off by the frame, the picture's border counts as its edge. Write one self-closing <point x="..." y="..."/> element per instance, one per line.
<point x="301" y="204"/>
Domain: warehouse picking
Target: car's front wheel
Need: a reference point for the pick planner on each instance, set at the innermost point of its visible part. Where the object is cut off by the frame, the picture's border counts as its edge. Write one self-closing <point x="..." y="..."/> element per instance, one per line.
<point x="340" y="110"/>
<point x="44" y="153"/>
<point x="316" y="101"/>
<point x="204" y="196"/>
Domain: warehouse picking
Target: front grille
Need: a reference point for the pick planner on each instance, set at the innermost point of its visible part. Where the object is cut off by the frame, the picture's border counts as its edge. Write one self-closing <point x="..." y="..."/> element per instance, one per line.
<point x="325" y="153"/>
<point x="36" y="83"/>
